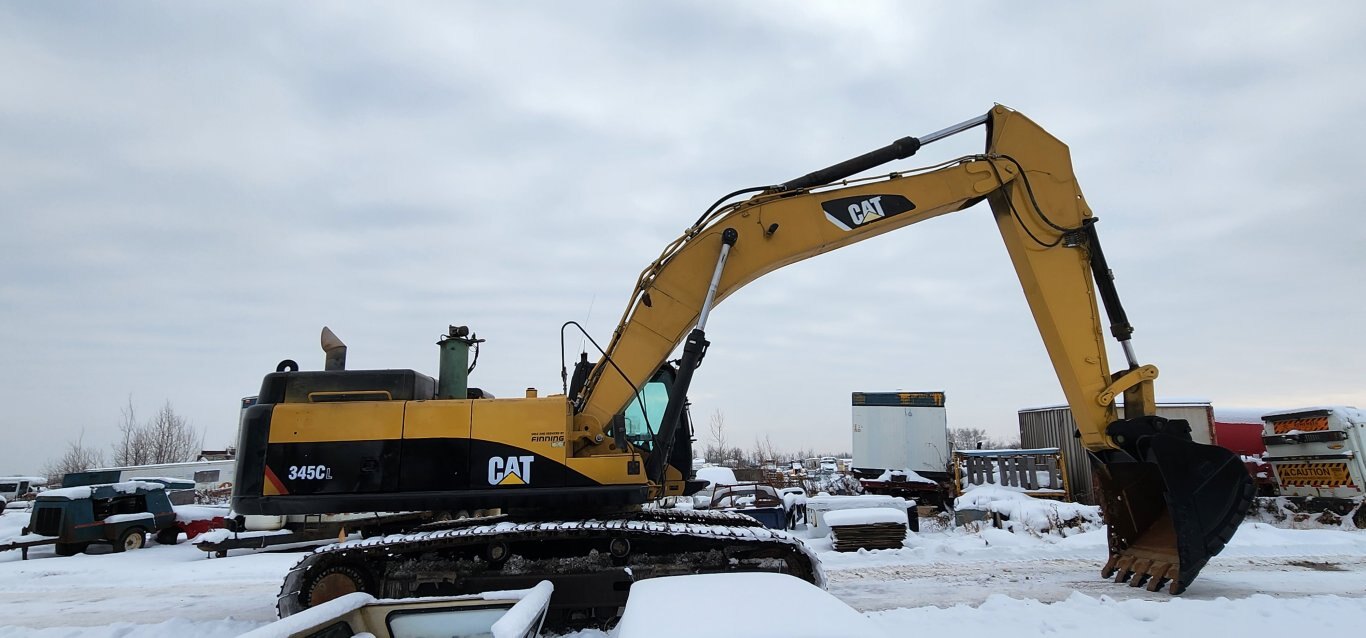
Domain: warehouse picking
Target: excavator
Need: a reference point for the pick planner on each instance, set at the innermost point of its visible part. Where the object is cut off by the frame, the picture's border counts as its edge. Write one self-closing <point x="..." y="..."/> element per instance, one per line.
<point x="574" y="475"/>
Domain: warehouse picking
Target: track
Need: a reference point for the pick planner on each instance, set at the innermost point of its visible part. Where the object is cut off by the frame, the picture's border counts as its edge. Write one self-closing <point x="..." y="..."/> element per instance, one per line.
<point x="592" y="562"/>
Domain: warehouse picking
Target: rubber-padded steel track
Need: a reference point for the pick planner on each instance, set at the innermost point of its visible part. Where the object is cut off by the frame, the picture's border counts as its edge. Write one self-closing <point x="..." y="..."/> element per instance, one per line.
<point x="592" y="561"/>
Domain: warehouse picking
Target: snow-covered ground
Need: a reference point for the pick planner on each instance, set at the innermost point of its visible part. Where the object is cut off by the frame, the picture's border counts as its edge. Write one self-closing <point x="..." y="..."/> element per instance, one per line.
<point x="1268" y="580"/>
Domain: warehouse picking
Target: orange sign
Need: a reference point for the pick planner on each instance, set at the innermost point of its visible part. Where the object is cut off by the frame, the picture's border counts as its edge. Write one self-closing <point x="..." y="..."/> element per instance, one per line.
<point x="1314" y="474"/>
<point x="1311" y="424"/>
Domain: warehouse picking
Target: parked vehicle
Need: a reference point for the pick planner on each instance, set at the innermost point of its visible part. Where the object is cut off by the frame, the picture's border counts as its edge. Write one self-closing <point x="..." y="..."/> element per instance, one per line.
<point x="121" y="515"/>
<point x="1317" y="457"/>
<point x="901" y="445"/>
<point x="756" y="500"/>
<point x="503" y="614"/>
<point x="15" y="488"/>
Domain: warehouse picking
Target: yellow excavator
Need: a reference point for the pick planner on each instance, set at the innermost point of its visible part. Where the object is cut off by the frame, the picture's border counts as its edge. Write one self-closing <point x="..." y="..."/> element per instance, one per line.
<point x="574" y="474"/>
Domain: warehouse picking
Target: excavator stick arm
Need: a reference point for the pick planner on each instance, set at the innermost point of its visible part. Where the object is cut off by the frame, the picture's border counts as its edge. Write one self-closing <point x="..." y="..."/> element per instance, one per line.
<point x="1170" y="503"/>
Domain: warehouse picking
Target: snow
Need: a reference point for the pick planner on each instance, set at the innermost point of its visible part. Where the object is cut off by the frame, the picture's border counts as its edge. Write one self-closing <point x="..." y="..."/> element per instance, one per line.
<point x="192" y="513"/>
<point x="740" y="604"/>
<point x="128" y="518"/>
<point x="909" y="476"/>
<point x="717" y="475"/>
<point x="973" y="580"/>
<point x="69" y="493"/>
<point x="301" y="621"/>
<point x="1021" y="509"/>
<point x="84" y="491"/>
<point x="524" y="612"/>
<point x="865" y="516"/>
<point x="1351" y="412"/>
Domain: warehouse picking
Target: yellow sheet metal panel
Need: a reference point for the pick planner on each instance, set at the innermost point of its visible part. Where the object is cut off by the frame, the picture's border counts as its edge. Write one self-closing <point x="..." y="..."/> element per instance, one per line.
<point x="609" y="469"/>
<point x="343" y="421"/>
<point x="538" y="425"/>
<point x="437" y="420"/>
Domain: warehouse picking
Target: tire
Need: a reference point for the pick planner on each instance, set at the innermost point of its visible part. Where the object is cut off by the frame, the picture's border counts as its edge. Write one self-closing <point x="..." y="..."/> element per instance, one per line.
<point x="168" y="536"/>
<point x="69" y="549"/>
<point x="130" y="539"/>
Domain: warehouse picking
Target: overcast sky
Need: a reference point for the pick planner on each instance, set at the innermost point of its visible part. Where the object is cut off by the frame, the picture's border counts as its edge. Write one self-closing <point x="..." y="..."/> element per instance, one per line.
<point x="189" y="192"/>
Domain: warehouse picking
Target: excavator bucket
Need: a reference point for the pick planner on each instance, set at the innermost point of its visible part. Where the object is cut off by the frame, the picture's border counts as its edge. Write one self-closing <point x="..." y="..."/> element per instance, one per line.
<point x="1170" y="504"/>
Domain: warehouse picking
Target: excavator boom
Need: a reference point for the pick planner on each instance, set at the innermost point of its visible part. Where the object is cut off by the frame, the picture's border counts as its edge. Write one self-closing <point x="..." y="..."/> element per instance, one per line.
<point x="1170" y="503"/>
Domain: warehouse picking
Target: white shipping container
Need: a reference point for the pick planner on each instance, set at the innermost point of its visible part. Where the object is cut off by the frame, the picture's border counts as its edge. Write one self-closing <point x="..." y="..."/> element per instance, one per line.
<point x="901" y="431"/>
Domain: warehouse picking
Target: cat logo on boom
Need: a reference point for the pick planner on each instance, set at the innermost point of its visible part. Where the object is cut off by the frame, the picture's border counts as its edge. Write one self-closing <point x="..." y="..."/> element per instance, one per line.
<point x="513" y="470"/>
<point x="851" y="212"/>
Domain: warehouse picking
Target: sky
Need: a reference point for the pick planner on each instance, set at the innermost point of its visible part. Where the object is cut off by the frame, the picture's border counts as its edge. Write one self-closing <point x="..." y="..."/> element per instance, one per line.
<point x="190" y="192"/>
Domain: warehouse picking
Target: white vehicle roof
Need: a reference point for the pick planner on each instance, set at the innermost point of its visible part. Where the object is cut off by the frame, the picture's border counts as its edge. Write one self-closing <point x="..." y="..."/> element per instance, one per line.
<point x="749" y="604"/>
<point x="717" y="475"/>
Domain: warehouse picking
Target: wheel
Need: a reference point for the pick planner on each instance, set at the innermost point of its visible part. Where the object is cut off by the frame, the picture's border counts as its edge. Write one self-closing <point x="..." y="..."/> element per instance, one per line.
<point x="69" y="549"/>
<point x="496" y="552"/>
<point x="132" y="538"/>
<point x="168" y="536"/>
<point x="333" y="582"/>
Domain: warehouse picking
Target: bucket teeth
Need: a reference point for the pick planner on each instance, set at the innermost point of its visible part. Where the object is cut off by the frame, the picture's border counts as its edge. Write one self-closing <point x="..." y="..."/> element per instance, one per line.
<point x="1141" y="572"/>
<point x="1109" y="569"/>
<point x="1124" y="568"/>
<point x="1161" y="573"/>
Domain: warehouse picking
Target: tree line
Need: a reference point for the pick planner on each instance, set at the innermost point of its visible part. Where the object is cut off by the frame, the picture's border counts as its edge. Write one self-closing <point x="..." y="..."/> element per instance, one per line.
<point x="165" y="437"/>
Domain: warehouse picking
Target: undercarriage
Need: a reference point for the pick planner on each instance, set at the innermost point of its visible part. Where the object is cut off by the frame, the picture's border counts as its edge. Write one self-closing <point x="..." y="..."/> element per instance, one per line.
<point x="592" y="562"/>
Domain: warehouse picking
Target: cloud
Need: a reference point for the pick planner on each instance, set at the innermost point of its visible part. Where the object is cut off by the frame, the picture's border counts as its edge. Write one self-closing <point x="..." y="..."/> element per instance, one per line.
<point x="191" y="192"/>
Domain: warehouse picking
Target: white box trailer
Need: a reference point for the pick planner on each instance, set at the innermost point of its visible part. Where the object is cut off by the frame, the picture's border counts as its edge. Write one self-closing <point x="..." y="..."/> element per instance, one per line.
<point x="901" y="444"/>
<point x="900" y="431"/>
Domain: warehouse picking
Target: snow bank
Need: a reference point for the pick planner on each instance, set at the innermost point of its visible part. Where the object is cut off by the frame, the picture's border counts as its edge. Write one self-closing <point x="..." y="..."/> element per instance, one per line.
<point x="1038" y="515"/>
<point x="739" y="604"/>
<point x="1082" y="615"/>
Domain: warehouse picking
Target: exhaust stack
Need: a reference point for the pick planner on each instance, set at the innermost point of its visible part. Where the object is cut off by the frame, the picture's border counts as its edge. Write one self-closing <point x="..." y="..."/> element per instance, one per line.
<point x="335" y="349"/>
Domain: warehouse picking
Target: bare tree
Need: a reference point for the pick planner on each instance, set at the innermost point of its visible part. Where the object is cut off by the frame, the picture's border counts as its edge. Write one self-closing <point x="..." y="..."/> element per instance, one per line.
<point x="131" y="448"/>
<point x="968" y="438"/>
<point x="166" y="438"/>
<point x="764" y="450"/>
<point x="716" y="450"/>
<point x="77" y="458"/>
<point x="170" y="439"/>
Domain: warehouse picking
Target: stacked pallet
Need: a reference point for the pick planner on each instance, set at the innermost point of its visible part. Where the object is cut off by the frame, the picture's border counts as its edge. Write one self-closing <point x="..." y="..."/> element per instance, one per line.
<point x="867" y="528"/>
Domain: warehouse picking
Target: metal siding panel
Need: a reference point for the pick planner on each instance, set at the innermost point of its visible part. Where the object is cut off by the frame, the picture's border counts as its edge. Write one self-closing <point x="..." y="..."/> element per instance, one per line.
<point x="900" y="438"/>
<point x="1054" y="427"/>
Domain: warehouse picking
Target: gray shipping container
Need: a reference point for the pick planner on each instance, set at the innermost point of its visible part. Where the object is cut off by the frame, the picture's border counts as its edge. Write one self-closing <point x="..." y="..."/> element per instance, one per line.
<point x="1054" y="426"/>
